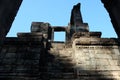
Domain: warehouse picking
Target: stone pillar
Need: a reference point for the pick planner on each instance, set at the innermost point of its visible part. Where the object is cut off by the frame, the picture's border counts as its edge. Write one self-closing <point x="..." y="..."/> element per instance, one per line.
<point x="76" y="16"/>
<point x="76" y="21"/>
<point x="8" y="11"/>
<point x="43" y="28"/>
<point x="52" y="37"/>
<point x="113" y="8"/>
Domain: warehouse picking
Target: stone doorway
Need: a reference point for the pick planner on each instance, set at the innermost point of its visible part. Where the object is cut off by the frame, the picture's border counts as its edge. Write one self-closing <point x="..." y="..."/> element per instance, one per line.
<point x="59" y="36"/>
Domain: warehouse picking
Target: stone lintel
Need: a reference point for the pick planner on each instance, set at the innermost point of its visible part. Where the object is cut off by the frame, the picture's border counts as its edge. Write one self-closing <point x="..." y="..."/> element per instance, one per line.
<point x="30" y="35"/>
<point x="87" y="34"/>
<point x="59" y="28"/>
<point x="96" y="41"/>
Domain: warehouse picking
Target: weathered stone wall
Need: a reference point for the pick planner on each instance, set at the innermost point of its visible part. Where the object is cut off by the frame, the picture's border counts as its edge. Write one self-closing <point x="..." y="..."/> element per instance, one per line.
<point x="34" y="56"/>
<point x="97" y="58"/>
<point x="88" y="58"/>
<point x="20" y="58"/>
<point x="8" y="11"/>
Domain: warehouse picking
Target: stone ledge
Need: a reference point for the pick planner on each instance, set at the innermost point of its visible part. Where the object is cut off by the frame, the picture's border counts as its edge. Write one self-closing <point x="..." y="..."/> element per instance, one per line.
<point x="22" y="40"/>
<point x="96" y="41"/>
<point x="30" y="35"/>
<point x="87" y="34"/>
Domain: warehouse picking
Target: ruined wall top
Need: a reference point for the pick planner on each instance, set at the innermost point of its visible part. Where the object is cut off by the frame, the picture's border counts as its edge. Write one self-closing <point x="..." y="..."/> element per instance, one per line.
<point x="76" y="21"/>
<point x="76" y="28"/>
<point x="76" y="15"/>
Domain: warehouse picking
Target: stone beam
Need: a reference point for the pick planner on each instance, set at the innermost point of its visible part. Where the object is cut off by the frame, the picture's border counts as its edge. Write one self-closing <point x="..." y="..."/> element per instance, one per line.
<point x="59" y="28"/>
<point x="113" y="8"/>
<point x="8" y="11"/>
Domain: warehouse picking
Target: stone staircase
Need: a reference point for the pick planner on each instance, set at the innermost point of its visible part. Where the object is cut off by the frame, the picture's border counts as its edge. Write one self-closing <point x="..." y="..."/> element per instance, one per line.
<point x="60" y="64"/>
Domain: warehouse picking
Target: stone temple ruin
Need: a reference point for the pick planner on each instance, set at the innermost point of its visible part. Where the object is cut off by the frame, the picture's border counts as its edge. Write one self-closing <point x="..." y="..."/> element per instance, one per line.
<point x="83" y="56"/>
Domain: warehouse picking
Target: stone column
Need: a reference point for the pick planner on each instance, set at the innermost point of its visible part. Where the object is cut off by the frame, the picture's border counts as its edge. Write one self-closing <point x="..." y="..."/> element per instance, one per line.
<point x="113" y="8"/>
<point x="52" y="37"/>
<point x="76" y="21"/>
<point x="8" y="11"/>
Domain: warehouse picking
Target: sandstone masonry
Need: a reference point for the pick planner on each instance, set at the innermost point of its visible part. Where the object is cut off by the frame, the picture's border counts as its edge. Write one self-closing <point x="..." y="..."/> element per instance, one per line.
<point x="83" y="56"/>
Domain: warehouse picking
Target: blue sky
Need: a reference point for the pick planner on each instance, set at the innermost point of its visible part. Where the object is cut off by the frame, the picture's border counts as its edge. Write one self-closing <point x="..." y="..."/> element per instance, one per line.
<point x="57" y="13"/>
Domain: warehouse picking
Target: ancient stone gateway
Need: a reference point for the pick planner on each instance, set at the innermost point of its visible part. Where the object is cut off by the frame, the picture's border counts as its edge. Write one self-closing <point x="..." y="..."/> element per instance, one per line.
<point x="83" y="56"/>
